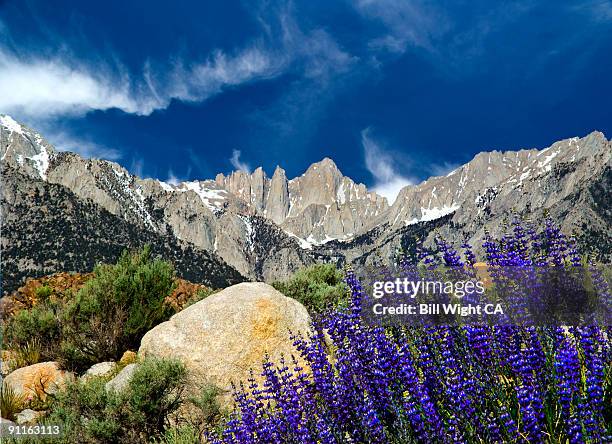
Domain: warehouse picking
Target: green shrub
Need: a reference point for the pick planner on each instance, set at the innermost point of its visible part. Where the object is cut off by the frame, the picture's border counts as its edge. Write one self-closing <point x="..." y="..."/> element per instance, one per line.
<point x="10" y="402"/>
<point x="208" y="405"/>
<point x="209" y="416"/>
<point x="317" y="287"/>
<point x="43" y="292"/>
<point x="29" y="354"/>
<point x="114" y="309"/>
<point x="155" y="392"/>
<point x="185" y="434"/>
<point x="108" y="316"/>
<point x="37" y="330"/>
<point x="140" y="413"/>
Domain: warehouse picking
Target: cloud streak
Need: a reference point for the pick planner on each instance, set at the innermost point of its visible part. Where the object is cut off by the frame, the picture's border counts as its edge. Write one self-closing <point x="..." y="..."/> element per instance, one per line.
<point x="58" y="86"/>
<point x="63" y="141"/>
<point x="442" y="169"/>
<point x="173" y="179"/>
<point x="50" y="86"/>
<point x="382" y="166"/>
<point x="239" y="164"/>
<point x="598" y="10"/>
<point x="409" y="23"/>
<point x="54" y="86"/>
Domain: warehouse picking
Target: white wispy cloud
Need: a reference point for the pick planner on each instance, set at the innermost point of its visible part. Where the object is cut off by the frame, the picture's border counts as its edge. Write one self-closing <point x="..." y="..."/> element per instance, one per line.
<point x="174" y="179"/>
<point x="38" y="86"/>
<point x="326" y="71"/>
<point x="455" y="48"/>
<point x="317" y="51"/>
<point x="442" y="169"/>
<point x="409" y="23"/>
<point x="598" y="10"/>
<point x="137" y="167"/>
<point x="383" y="167"/>
<point x="48" y="87"/>
<point x="239" y="164"/>
<point x="64" y="141"/>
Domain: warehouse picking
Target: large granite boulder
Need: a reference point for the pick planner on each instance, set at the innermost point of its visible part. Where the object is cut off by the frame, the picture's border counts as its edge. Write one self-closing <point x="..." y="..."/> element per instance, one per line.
<point x="222" y="337"/>
<point x="38" y="380"/>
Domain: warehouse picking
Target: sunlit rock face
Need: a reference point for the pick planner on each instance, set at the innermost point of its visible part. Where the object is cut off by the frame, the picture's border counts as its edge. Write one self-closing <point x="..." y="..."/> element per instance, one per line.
<point x="222" y="338"/>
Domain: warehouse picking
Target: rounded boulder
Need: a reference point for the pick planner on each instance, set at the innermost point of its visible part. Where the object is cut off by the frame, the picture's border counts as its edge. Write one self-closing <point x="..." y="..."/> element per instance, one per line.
<point x="38" y="380"/>
<point x="221" y="338"/>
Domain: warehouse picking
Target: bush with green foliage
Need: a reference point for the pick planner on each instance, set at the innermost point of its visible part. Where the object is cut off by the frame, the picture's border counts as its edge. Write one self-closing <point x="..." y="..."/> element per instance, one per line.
<point x="185" y="434"/>
<point x="30" y="354"/>
<point x="140" y="413"/>
<point x="210" y="416"/>
<point x="318" y="287"/>
<point x="114" y="309"/>
<point x="108" y="316"/>
<point x="43" y="293"/>
<point x="37" y="330"/>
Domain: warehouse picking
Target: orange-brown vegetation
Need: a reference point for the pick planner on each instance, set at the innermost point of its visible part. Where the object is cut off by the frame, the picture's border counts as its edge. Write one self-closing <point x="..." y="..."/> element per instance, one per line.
<point x="62" y="284"/>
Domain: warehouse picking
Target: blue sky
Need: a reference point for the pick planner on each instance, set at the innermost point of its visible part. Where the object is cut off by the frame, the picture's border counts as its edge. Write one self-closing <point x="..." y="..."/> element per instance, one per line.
<point x="393" y="91"/>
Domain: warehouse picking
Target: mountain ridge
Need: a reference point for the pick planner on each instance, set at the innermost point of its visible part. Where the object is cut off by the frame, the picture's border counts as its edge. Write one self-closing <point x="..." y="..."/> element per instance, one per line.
<point x="267" y="227"/>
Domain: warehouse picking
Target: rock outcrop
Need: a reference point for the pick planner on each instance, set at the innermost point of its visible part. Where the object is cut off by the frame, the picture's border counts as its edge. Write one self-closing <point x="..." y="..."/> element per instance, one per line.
<point x="4" y="424"/>
<point x="316" y="207"/>
<point x="223" y="337"/>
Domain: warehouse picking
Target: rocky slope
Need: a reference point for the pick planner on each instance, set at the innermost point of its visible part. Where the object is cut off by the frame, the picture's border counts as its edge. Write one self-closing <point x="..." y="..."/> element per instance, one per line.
<point x="570" y="181"/>
<point x="267" y="228"/>
<point x="46" y="228"/>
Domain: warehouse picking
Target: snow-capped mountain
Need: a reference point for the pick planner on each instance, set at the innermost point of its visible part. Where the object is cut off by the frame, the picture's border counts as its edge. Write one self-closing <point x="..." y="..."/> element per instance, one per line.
<point x="267" y="228"/>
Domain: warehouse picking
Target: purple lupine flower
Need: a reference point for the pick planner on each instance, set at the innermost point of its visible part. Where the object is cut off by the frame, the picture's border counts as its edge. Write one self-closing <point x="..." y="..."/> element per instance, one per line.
<point x="567" y="369"/>
<point x="468" y="253"/>
<point x="594" y="367"/>
<point x="449" y="255"/>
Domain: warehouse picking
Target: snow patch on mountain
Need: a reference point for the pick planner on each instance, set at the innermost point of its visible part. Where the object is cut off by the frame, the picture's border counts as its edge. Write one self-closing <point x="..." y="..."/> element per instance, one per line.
<point x="250" y="232"/>
<point x="166" y="186"/>
<point x="429" y="214"/>
<point x="213" y="199"/>
<point x="41" y="162"/>
<point x="304" y="244"/>
<point x="340" y="194"/>
<point x="9" y="123"/>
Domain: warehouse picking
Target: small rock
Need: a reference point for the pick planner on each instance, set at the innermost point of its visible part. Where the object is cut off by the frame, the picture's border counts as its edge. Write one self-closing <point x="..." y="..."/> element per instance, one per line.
<point x="4" y="423"/>
<point x="99" y="370"/>
<point x="38" y="380"/>
<point x="121" y="381"/>
<point x="129" y="357"/>
<point x="28" y="417"/>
